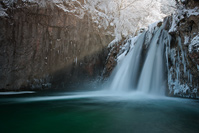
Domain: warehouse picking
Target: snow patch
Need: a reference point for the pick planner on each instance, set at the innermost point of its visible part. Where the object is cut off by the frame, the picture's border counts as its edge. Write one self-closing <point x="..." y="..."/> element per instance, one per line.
<point x="175" y="20"/>
<point x="179" y="15"/>
<point x="121" y="57"/>
<point x="152" y="27"/>
<point x="128" y="46"/>
<point x="186" y="40"/>
<point x="3" y="14"/>
<point x="112" y="43"/>
<point x="192" y="12"/>
<point x="194" y="44"/>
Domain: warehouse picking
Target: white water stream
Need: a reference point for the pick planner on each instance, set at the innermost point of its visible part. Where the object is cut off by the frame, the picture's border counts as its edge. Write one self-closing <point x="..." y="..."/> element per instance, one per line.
<point x="142" y="69"/>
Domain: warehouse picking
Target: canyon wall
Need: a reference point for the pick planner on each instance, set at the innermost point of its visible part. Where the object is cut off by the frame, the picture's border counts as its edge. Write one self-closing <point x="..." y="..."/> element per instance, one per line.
<point x="47" y="46"/>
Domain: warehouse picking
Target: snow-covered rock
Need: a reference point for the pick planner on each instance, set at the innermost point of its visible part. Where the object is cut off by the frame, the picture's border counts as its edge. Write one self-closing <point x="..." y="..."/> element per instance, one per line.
<point x="194" y="44"/>
<point x="183" y="51"/>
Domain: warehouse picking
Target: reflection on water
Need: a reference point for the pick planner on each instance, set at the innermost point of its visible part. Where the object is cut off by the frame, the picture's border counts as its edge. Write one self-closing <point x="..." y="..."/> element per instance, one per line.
<point x="97" y="112"/>
<point x="16" y="93"/>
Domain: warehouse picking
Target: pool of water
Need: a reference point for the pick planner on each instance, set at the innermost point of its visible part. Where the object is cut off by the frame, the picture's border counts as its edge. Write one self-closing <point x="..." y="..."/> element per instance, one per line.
<point x="97" y="112"/>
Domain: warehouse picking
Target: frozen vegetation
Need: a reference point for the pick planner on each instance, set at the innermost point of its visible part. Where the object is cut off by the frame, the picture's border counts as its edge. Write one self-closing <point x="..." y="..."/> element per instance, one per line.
<point x="124" y="17"/>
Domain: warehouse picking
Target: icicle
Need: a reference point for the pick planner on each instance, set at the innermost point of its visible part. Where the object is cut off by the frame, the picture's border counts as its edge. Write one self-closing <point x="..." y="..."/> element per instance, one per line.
<point x="182" y="54"/>
<point x="190" y="78"/>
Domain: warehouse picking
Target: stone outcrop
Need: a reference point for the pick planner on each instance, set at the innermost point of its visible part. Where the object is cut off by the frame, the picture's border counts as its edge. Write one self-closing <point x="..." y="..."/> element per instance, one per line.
<point x="46" y="46"/>
<point x="183" y="73"/>
<point x="111" y="60"/>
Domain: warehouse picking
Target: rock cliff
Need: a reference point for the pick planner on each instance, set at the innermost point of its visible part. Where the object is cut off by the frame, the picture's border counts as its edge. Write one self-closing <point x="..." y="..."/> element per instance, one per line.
<point x="183" y="52"/>
<point x="47" y="46"/>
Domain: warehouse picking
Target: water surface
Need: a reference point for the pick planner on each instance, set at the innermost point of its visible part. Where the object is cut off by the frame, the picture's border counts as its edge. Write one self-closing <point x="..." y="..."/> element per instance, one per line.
<point x="97" y="112"/>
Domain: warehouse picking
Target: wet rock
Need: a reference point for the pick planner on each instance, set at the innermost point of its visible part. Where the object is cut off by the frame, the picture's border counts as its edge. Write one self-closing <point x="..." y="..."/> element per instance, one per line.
<point x="111" y="60"/>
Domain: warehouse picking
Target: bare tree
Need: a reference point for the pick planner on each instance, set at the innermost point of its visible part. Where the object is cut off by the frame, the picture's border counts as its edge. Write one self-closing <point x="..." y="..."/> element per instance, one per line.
<point x="125" y="15"/>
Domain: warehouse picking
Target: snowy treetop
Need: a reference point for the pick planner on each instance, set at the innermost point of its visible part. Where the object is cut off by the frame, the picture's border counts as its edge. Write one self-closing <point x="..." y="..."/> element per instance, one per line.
<point x="125" y="16"/>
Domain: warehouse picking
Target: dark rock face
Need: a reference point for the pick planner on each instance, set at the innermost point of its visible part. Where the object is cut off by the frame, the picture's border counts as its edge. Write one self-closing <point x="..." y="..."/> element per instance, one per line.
<point x="42" y="47"/>
<point x="192" y="3"/>
<point x="111" y="60"/>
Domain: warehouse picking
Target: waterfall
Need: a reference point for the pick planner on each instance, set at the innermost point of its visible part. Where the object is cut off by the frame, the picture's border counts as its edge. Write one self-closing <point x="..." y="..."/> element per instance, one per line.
<point x="152" y="76"/>
<point x="126" y="73"/>
<point x="142" y="69"/>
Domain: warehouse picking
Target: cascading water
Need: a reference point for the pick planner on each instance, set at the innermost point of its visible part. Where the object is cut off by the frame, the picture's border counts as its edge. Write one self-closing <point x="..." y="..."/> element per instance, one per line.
<point x="152" y="76"/>
<point x="126" y="73"/>
<point x="146" y="77"/>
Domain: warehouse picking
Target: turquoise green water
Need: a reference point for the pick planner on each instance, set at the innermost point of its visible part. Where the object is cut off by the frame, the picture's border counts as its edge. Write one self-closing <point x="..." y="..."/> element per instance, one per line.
<point x="82" y="113"/>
